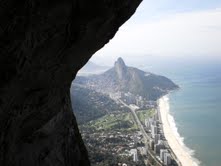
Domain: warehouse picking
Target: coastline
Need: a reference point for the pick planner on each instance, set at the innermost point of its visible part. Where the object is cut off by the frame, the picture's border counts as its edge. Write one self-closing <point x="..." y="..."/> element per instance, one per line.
<point x="175" y="144"/>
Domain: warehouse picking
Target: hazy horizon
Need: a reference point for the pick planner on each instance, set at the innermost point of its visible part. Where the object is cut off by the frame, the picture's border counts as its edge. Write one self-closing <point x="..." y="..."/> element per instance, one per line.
<point x="168" y="29"/>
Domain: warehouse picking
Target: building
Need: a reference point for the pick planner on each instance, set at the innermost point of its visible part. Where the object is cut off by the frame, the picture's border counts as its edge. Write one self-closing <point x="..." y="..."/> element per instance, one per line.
<point x="156" y="117"/>
<point x="133" y="152"/>
<point x="153" y="130"/>
<point x="151" y="121"/>
<point x="147" y="123"/>
<point x="162" y="152"/>
<point x="129" y="98"/>
<point x="158" y="147"/>
<point x="154" y="122"/>
<point x="144" y="150"/>
<point x="151" y="144"/>
<point x="156" y="138"/>
<point x="167" y="159"/>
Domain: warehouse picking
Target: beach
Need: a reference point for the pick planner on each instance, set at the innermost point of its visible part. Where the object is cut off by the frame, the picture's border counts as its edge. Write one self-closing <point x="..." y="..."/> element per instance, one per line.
<point x="175" y="144"/>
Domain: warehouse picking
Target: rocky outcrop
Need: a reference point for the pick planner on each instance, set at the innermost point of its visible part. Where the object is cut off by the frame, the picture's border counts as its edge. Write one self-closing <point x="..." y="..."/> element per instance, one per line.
<point x="128" y="79"/>
<point x="42" y="46"/>
<point x="120" y="68"/>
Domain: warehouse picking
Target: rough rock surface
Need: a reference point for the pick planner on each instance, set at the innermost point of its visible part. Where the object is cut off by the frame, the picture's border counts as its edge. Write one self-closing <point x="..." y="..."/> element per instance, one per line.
<point x="42" y="46"/>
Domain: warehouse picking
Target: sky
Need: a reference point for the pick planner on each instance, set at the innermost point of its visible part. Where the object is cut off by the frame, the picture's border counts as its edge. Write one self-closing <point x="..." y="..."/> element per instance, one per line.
<point x="168" y="28"/>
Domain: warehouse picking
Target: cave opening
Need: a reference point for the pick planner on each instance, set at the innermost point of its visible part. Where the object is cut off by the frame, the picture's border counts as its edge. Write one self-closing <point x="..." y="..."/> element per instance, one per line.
<point x="162" y="39"/>
<point x="42" y="46"/>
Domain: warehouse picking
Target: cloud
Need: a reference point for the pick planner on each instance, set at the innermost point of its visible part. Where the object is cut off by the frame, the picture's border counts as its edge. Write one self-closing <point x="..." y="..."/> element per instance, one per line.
<point x="182" y="34"/>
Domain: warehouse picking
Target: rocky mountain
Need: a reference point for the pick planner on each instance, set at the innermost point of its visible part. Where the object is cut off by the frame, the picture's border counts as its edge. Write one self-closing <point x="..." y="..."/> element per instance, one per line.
<point x="129" y="79"/>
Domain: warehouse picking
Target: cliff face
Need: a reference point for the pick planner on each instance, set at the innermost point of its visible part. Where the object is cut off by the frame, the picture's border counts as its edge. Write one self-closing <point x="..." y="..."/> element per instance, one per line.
<point x="120" y="68"/>
<point x="42" y="46"/>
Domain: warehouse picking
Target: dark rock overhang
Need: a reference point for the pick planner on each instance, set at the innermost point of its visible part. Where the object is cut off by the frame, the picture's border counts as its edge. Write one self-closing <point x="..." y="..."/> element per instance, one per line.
<point x="42" y="46"/>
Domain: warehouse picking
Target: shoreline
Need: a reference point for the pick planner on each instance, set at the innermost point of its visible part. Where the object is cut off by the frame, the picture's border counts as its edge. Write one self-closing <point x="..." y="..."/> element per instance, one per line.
<point x="178" y="149"/>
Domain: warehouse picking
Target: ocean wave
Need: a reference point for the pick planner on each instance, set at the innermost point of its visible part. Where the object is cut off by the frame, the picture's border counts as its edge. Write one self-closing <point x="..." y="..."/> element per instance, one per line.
<point x="174" y="128"/>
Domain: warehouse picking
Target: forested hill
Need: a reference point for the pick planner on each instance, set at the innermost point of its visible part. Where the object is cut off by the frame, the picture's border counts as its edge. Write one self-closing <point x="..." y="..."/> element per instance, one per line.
<point x="90" y="105"/>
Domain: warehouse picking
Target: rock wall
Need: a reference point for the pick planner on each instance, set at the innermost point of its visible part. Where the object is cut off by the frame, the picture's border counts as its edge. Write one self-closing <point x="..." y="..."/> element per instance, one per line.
<point x="43" y="43"/>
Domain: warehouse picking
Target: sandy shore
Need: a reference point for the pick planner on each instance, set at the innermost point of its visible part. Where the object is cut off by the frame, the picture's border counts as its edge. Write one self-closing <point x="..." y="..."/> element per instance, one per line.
<point x="182" y="155"/>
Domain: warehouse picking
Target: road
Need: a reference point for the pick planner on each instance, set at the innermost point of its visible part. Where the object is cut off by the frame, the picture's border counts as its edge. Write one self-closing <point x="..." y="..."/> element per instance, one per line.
<point x="146" y="137"/>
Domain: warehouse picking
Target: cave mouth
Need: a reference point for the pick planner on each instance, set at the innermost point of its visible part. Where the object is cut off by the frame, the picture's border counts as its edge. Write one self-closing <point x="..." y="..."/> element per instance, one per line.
<point x="42" y="46"/>
<point x="94" y="110"/>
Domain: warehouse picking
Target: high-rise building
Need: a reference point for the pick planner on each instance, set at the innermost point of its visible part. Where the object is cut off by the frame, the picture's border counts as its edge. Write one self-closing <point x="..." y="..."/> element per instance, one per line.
<point x="156" y="138"/>
<point x="162" y="152"/>
<point x="153" y="130"/>
<point x="167" y="159"/>
<point x="158" y="147"/>
<point x="133" y="152"/>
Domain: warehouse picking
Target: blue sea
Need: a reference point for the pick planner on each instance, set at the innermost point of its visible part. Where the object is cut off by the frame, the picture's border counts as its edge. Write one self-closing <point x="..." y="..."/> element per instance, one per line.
<point x="196" y="106"/>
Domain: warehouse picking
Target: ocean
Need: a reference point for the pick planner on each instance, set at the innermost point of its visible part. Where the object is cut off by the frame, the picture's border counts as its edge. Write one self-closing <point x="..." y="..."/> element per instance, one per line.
<point x="195" y="109"/>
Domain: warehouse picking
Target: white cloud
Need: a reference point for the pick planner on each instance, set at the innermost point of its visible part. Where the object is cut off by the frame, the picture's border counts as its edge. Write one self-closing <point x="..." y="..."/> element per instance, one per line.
<point x="192" y="33"/>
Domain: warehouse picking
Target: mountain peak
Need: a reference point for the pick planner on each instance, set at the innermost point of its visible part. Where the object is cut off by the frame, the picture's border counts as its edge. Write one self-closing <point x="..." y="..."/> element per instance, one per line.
<point x="129" y="79"/>
<point x="120" y="68"/>
<point x="120" y="62"/>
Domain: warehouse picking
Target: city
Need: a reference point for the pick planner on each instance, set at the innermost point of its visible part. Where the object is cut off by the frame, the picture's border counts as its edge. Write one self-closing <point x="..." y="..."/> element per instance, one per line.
<point x="152" y="128"/>
<point x="132" y="136"/>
